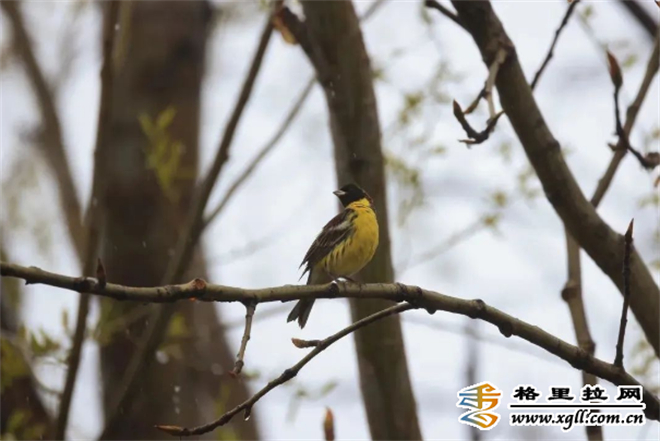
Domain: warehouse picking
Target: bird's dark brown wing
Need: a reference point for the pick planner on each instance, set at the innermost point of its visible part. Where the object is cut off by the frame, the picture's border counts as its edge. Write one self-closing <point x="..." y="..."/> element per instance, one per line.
<point x="335" y="231"/>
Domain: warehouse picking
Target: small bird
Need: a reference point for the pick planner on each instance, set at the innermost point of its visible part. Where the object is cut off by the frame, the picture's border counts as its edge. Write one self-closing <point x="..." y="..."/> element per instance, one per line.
<point x="345" y="245"/>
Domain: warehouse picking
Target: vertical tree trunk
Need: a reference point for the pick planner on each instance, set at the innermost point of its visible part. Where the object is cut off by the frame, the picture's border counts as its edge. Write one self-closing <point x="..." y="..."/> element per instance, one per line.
<point x="335" y="36"/>
<point x="159" y="70"/>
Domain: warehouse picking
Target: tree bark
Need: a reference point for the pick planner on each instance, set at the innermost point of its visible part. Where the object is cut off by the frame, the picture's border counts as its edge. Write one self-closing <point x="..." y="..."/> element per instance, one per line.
<point x="344" y="70"/>
<point x="160" y="66"/>
<point x="604" y="245"/>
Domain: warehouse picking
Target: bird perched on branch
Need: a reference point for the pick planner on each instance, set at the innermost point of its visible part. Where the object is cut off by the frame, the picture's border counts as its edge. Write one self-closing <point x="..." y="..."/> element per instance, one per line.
<point x="345" y="245"/>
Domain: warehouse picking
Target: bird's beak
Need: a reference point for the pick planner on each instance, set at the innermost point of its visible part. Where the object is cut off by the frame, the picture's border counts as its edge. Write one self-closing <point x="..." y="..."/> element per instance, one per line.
<point x="339" y="193"/>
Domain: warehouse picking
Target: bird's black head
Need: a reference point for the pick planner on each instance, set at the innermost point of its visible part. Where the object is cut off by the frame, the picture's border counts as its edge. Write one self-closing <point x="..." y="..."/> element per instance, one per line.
<point x="350" y="193"/>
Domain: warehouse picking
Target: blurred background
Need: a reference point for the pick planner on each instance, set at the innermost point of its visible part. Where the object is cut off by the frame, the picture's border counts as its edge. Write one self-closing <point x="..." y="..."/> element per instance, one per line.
<point x="466" y="222"/>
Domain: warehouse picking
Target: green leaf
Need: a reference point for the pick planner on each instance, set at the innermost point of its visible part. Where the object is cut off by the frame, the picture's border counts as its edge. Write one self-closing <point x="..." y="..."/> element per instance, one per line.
<point x="165" y="118"/>
<point x="327" y="388"/>
<point x="13" y="364"/>
<point x="17" y="420"/>
<point x="177" y="326"/>
<point x="65" y="320"/>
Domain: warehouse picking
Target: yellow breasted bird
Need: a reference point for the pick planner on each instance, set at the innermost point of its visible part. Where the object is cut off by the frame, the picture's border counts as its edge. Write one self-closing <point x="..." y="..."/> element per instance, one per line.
<point x="345" y="245"/>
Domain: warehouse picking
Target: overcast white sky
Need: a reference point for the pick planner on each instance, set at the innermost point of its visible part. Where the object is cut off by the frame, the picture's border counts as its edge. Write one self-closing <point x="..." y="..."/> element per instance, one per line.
<point x="520" y="270"/>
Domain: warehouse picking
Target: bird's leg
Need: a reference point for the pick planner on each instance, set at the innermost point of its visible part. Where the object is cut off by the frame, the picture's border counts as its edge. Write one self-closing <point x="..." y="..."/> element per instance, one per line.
<point x="340" y="279"/>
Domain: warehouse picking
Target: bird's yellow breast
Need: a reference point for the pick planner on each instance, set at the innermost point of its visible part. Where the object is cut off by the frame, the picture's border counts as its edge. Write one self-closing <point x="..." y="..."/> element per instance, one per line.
<point x="357" y="250"/>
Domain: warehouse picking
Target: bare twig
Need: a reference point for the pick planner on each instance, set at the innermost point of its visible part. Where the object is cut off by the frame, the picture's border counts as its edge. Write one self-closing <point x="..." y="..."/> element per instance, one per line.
<point x="572" y="295"/>
<point x="567" y="16"/>
<point x="433" y="4"/>
<point x="287" y="375"/>
<point x="628" y="244"/>
<point x="474" y="137"/>
<point x="51" y="139"/>
<point x="420" y="298"/>
<point x="94" y="217"/>
<point x="487" y="94"/>
<point x="500" y="58"/>
<point x="474" y="104"/>
<point x="189" y="236"/>
<point x="650" y="161"/>
<point x="250" y="307"/>
<point x="631" y="115"/>
<point x="265" y="150"/>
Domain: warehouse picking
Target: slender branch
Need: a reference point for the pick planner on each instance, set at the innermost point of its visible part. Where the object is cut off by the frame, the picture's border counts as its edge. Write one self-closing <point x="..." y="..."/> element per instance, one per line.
<point x="474" y="137"/>
<point x="474" y="104"/>
<point x="652" y="159"/>
<point x="500" y="58"/>
<point x="52" y="141"/>
<point x="419" y="298"/>
<point x="487" y="94"/>
<point x="433" y="4"/>
<point x="567" y="16"/>
<point x="287" y="375"/>
<point x="631" y="116"/>
<point x="628" y="241"/>
<point x="572" y="295"/>
<point x="94" y="216"/>
<point x="265" y="150"/>
<point x="189" y="237"/>
<point x="249" y="314"/>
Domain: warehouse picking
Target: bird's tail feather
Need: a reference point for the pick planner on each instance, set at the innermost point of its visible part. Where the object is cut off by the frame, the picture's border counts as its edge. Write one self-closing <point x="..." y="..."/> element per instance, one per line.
<point x="302" y="309"/>
<point x="301" y="312"/>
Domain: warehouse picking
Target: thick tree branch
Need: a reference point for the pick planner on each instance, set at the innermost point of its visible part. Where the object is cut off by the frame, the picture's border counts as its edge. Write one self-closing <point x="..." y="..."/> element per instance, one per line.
<point x="287" y="375"/>
<point x="94" y="214"/>
<point x="51" y="138"/>
<point x="415" y="296"/>
<point x="579" y="216"/>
